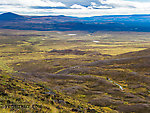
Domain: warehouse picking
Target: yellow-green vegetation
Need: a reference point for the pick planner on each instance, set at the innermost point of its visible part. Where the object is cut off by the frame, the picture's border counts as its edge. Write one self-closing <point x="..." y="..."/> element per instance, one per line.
<point x="101" y="72"/>
<point x="19" y="95"/>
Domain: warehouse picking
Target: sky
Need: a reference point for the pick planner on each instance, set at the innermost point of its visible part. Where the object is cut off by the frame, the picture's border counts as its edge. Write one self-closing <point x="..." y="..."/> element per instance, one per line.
<point x="79" y="8"/>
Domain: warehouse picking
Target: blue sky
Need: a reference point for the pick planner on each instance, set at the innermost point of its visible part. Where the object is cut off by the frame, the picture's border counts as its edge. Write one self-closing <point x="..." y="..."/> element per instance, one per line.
<point x="139" y="0"/>
<point x="80" y="8"/>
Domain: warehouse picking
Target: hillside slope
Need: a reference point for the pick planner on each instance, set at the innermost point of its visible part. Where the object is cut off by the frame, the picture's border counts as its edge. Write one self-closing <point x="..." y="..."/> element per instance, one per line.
<point x="81" y="72"/>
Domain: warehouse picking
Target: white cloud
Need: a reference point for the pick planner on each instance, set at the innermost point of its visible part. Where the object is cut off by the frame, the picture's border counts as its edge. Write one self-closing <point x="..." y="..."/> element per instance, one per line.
<point x="125" y="4"/>
<point x="96" y="6"/>
<point x="104" y="7"/>
<point x="32" y="3"/>
<point x="93" y="4"/>
<point x="99" y="12"/>
<point x="76" y="6"/>
<point x="118" y="3"/>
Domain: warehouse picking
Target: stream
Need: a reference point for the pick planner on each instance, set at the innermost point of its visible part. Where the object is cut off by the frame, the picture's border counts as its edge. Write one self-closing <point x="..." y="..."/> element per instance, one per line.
<point x="116" y="84"/>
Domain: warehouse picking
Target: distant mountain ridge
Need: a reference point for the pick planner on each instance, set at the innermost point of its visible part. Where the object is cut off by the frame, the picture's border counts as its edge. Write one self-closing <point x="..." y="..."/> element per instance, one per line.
<point x="13" y="16"/>
<point x="140" y="23"/>
<point x="10" y="16"/>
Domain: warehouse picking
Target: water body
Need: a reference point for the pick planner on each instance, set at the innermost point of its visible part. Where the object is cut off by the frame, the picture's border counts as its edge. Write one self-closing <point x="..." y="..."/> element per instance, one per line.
<point x="116" y="84"/>
<point x="95" y="41"/>
<point x="72" y="34"/>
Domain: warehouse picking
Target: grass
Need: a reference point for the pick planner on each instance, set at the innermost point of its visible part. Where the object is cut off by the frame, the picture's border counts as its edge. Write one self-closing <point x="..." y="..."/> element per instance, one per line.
<point x="28" y="69"/>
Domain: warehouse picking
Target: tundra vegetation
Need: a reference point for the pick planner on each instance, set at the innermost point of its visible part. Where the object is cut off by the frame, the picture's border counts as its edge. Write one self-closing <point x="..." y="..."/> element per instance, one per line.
<point x="73" y="71"/>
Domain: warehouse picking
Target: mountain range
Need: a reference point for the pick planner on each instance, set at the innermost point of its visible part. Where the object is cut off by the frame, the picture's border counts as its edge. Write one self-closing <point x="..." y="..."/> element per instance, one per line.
<point x="140" y="23"/>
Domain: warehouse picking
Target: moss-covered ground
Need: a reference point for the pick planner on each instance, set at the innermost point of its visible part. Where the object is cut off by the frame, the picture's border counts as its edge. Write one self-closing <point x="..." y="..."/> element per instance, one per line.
<point x="88" y="72"/>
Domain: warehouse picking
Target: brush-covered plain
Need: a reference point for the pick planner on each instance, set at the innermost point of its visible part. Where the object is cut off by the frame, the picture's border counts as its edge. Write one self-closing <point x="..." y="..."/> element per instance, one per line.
<point x="73" y="71"/>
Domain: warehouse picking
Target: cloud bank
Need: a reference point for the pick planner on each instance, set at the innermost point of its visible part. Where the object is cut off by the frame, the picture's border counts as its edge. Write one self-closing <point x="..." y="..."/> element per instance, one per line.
<point x="80" y="8"/>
